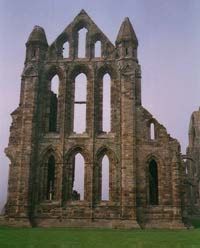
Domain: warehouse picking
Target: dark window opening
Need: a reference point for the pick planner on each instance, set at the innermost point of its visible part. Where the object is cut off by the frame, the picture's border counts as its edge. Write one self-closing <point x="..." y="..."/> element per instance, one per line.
<point x="33" y="53"/>
<point x="126" y="51"/>
<point x="53" y="112"/>
<point x="153" y="183"/>
<point x="50" y="179"/>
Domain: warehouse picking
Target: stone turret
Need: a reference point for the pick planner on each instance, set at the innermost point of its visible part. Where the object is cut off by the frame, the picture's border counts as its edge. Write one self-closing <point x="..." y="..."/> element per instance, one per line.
<point x="36" y="45"/>
<point x="127" y="41"/>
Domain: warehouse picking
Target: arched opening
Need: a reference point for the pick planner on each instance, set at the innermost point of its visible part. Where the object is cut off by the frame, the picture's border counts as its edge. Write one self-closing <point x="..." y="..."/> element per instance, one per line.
<point x="106" y="116"/>
<point x="34" y="53"/>
<point x="152" y="131"/>
<point x="53" y="104"/>
<point x="78" y="177"/>
<point x="82" y="43"/>
<point x="105" y="178"/>
<point x="50" y="192"/>
<point x="80" y="101"/>
<point x="66" y="50"/>
<point x="97" y="49"/>
<point x="126" y="51"/>
<point x="153" y="183"/>
<point x="186" y="169"/>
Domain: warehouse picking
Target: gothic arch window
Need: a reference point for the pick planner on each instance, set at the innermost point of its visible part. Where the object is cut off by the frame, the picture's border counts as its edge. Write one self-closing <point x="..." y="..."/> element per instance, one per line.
<point x="80" y="102"/>
<point x="153" y="182"/>
<point x="126" y="51"/>
<point x="105" y="164"/>
<point x="152" y="133"/>
<point x="106" y="98"/>
<point x="186" y="168"/>
<point x="34" y="53"/>
<point x="106" y="179"/>
<point x="97" y="49"/>
<point x="82" y="43"/>
<point x="66" y="50"/>
<point x="53" y="108"/>
<point x="78" y="177"/>
<point x="50" y="187"/>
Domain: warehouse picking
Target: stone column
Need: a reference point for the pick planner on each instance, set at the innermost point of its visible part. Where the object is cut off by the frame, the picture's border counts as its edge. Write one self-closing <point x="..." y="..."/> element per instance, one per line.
<point x="27" y="145"/>
<point x="128" y="145"/>
<point x="176" y="194"/>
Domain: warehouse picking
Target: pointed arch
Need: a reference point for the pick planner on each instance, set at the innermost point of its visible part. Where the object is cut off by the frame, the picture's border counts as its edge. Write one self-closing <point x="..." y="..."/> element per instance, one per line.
<point x="105" y="168"/>
<point x="106" y="95"/>
<point x="78" y="177"/>
<point x="106" y="98"/>
<point x="66" y="50"/>
<point x="82" y="41"/>
<point x="77" y="69"/>
<point x="152" y="129"/>
<point x="80" y="24"/>
<point x="49" y="173"/>
<point x="52" y="70"/>
<point x="53" y="106"/>
<point x="53" y="77"/>
<point x="61" y="46"/>
<point x="80" y="103"/>
<point x="50" y="150"/>
<point x="74" y="174"/>
<point x="106" y="175"/>
<point x="77" y="149"/>
<point x="73" y="73"/>
<point x="97" y="49"/>
<point x="107" y="69"/>
<point x="105" y="150"/>
<point x="50" y="187"/>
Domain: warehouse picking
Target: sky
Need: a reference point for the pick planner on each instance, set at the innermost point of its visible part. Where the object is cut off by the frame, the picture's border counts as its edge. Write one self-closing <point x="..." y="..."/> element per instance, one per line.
<point x="169" y="54"/>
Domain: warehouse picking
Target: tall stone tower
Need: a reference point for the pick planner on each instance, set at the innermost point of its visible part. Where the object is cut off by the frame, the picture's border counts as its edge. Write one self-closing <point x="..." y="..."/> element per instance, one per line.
<point x="193" y="165"/>
<point x="48" y="155"/>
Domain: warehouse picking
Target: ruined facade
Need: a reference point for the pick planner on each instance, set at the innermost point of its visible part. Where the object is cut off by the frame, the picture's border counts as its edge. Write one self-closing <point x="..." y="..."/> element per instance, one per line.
<point x="145" y="168"/>
<point x="192" y="166"/>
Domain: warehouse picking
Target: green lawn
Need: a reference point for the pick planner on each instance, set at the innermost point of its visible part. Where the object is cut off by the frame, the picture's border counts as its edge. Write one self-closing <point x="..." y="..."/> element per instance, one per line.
<point x="97" y="238"/>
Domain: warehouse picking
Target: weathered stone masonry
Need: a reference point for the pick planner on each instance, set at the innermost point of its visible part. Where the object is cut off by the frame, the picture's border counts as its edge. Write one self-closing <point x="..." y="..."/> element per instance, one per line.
<point x="145" y="172"/>
<point x="192" y="199"/>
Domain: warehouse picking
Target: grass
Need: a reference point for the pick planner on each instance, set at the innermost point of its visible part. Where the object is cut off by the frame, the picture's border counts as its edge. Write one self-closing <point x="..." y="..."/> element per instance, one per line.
<point x="97" y="238"/>
<point x="195" y="223"/>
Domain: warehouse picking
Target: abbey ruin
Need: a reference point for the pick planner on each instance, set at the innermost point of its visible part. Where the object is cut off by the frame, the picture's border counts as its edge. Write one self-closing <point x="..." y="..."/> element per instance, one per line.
<point x="146" y="173"/>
